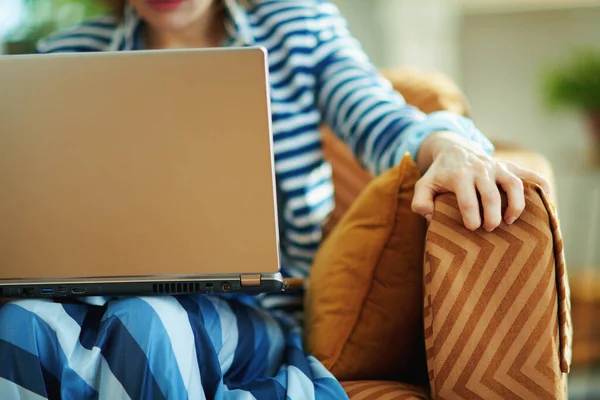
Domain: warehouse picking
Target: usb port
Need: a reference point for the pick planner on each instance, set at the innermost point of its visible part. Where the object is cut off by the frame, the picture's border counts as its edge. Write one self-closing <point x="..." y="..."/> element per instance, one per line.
<point x="47" y="290"/>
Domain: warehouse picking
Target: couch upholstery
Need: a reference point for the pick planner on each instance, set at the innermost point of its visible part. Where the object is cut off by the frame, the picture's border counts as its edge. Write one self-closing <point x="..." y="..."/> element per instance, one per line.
<point x="509" y="339"/>
<point x="496" y="305"/>
<point x="370" y="390"/>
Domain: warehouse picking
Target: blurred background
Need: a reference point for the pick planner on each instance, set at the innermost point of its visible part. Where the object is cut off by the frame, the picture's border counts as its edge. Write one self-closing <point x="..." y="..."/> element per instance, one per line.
<point x="531" y="71"/>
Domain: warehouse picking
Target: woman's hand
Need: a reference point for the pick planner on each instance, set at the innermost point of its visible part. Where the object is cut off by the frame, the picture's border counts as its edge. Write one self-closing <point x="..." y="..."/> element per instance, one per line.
<point x="454" y="164"/>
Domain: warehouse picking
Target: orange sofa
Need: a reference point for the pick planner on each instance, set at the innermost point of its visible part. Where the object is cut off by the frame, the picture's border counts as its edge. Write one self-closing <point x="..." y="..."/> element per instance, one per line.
<point x="477" y="343"/>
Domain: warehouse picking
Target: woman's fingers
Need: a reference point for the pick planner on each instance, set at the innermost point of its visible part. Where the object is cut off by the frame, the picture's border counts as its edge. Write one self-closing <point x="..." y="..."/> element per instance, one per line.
<point x="529" y="175"/>
<point x="422" y="203"/>
<point x="466" y="195"/>
<point x="468" y="204"/>
<point x="490" y="202"/>
<point x="513" y="186"/>
<point x="466" y="171"/>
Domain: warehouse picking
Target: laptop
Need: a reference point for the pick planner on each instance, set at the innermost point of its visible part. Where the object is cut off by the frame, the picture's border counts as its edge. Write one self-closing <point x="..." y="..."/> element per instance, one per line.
<point x="137" y="173"/>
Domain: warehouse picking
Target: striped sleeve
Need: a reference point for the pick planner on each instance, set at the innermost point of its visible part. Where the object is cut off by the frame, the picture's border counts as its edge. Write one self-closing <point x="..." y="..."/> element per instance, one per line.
<point x="363" y="108"/>
<point x="91" y="36"/>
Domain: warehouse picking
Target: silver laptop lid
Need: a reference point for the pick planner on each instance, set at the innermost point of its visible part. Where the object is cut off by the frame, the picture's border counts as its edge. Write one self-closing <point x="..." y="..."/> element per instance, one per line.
<point x="136" y="164"/>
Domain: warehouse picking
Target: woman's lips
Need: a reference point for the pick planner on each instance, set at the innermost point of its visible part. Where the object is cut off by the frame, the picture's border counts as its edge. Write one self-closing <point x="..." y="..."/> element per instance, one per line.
<point x="164" y="5"/>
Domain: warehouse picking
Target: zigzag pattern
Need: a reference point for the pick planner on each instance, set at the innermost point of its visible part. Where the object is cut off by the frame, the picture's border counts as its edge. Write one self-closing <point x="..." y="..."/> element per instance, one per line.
<point x="492" y="306"/>
<point x="380" y="390"/>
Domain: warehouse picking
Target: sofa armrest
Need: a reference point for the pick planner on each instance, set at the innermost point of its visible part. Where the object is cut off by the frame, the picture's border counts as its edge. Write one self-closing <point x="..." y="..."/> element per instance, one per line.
<point x="497" y="312"/>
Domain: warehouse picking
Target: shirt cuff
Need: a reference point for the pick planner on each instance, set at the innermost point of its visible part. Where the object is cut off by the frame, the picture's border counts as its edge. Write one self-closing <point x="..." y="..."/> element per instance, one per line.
<point x="415" y="135"/>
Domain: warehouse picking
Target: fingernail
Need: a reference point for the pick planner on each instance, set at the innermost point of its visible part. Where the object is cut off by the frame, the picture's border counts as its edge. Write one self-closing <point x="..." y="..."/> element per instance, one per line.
<point x="511" y="220"/>
<point x="429" y="217"/>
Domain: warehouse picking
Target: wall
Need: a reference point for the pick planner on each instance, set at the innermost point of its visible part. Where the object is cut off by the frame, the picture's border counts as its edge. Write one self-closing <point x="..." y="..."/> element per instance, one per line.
<point x="423" y="33"/>
<point x="502" y="56"/>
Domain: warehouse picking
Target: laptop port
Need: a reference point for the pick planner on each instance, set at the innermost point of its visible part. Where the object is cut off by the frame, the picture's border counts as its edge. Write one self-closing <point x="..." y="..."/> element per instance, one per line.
<point x="62" y="290"/>
<point x="28" y="291"/>
<point x="209" y="288"/>
<point x="77" y="290"/>
<point x="47" y="290"/>
<point x="225" y="286"/>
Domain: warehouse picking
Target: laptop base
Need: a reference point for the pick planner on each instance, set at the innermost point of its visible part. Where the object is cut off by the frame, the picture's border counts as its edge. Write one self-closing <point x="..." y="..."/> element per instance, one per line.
<point x="247" y="284"/>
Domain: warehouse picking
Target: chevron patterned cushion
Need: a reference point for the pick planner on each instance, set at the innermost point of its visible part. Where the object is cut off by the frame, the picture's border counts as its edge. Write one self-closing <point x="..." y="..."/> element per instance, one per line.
<point x="497" y="312"/>
<point x="381" y="390"/>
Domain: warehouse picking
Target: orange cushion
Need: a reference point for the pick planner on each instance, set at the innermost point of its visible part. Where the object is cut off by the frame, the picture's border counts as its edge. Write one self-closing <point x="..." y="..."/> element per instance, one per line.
<point x="364" y="301"/>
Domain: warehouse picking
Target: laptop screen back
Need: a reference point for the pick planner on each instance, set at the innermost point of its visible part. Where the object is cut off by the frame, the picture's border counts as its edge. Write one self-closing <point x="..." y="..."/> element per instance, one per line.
<point x="136" y="164"/>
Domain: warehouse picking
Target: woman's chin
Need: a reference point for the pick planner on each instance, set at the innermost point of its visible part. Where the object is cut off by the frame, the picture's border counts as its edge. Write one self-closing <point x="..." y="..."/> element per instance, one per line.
<point x="169" y="22"/>
<point x="168" y="19"/>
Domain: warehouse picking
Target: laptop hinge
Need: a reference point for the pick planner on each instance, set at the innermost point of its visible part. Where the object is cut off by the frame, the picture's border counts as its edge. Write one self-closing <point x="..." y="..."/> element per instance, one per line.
<point x="250" y="280"/>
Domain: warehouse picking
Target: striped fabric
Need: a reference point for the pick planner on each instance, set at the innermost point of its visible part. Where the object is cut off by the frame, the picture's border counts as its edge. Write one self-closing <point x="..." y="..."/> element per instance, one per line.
<point x="318" y="72"/>
<point x="380" y="390"/>
<point x="188" y="347"/>
<point x="497" y="310"/>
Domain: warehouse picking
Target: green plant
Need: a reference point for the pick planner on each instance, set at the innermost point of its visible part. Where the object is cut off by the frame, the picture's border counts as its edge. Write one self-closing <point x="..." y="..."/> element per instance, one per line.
<point x="46" y="16"/>
<point x="576" y="84"/>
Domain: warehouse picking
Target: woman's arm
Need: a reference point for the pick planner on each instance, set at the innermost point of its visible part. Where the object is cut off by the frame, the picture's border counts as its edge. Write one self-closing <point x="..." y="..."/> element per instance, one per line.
<point x="364" y="110"/>
<point x="379" y="127"/>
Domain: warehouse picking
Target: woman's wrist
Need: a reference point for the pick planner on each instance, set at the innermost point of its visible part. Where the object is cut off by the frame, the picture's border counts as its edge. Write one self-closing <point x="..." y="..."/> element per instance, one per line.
<point x="437" y="142"/>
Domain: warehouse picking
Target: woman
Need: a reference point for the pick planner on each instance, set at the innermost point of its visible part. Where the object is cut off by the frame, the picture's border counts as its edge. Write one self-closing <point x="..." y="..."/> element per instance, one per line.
<point x="208" y="347"/>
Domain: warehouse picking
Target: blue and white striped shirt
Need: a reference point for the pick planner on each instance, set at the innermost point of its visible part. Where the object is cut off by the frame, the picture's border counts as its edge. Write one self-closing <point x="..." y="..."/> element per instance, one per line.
<point x="318" y="73"/>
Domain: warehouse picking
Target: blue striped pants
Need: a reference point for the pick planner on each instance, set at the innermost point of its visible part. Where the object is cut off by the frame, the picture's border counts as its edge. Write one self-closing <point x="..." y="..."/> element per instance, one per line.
<point x="184" y="347"/>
